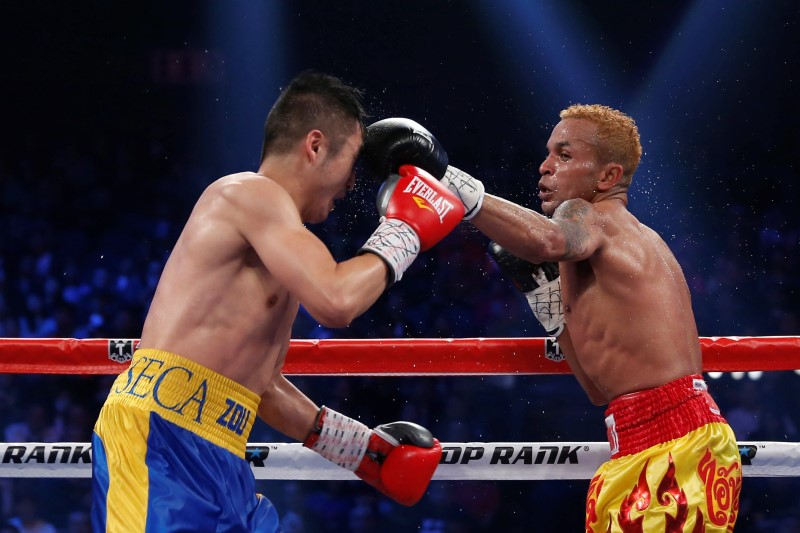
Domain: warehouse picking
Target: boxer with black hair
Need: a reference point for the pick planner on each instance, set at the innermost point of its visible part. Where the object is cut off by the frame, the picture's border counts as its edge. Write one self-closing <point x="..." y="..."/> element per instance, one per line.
<point x="169" y="443"/>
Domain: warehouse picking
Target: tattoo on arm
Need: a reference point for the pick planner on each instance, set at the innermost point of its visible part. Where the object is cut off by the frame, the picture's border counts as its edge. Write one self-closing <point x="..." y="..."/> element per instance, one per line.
<point x="571" y="217"/>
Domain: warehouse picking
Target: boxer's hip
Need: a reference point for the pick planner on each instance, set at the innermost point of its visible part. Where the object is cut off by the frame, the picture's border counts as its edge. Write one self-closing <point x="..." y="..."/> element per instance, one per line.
<point x="185" y="394"/>
<point x="675" y="464"/>
<point x="691" y="483"/>
<point x="169" y="451"/>
<point x="642" y="419"/>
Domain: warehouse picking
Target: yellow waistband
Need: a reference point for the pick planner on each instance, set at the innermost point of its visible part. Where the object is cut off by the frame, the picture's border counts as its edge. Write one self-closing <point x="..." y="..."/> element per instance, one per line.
<point x="189" y="395"/>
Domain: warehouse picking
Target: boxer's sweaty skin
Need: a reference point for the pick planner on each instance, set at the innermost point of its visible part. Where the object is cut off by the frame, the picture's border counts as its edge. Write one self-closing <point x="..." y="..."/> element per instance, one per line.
<point x="630" y="335"/>
<point x="217" y="332"/>
<point x="630" y="324"/>
<point x="231" y="288"/>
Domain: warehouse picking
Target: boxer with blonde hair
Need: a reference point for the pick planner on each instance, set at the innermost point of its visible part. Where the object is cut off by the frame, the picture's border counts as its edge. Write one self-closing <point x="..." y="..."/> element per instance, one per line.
<point x="611" y="291"/>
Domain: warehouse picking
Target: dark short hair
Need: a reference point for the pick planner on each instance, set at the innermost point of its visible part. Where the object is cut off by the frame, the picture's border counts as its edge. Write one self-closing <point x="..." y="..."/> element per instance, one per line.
<point x="312" y="101"/>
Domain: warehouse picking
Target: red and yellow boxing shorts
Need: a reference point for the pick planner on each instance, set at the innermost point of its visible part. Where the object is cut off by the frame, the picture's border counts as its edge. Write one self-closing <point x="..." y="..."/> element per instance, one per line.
<point x="674" y="466"/>
<point x="169" y="452"/>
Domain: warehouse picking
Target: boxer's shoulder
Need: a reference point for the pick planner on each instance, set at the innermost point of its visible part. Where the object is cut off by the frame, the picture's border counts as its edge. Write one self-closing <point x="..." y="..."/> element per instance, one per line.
<point x="249" y="191"/>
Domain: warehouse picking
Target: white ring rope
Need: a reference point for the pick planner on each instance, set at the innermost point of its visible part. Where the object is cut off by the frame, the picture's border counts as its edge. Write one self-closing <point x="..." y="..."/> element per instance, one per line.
<point x="473" y="461"/>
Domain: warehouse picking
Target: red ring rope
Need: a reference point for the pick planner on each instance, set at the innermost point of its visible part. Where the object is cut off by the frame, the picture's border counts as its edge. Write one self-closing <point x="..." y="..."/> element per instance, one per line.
<point x="472" y="356"/>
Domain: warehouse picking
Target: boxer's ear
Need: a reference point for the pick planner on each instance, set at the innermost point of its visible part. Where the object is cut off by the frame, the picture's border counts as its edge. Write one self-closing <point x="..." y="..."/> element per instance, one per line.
<point x="313" y="143"/>
<point x="610" y="175"/>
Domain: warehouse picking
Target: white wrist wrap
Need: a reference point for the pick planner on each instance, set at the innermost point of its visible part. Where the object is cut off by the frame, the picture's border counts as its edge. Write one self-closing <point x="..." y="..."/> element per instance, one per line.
<point x="469" y="190"/>
<point x="546" y="304"/>
<point x="342" y="440"/>
<point x="396" y="243"/>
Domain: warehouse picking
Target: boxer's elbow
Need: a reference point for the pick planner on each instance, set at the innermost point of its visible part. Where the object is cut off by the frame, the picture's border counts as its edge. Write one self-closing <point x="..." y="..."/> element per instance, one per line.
<point x="550" y="247"/>
<point x="549" y="250"/>
<point x="544" y="243"/>
<point x="335" y="310"/>
<point x="555" y="243"/>
<point x="335" y="321"/>
<point x="337" y="318"/>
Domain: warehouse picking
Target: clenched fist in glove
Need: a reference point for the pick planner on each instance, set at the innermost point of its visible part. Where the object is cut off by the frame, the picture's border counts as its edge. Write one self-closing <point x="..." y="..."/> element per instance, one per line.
<point x="398" y="459"/>
<point x="393" y="142"/>
<point x="416" y="210"/>
<point x="541" y="284"/>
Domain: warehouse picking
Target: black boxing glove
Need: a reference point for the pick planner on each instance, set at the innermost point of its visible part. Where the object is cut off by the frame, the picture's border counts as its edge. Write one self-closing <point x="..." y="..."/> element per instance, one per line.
<point x="392" y="142"/>
<point x="540" y="283"/>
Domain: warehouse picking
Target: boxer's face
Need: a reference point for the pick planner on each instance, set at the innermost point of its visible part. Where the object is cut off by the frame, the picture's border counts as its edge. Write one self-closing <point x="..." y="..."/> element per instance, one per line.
<point x="338" y="172"/>
<point x="571" y="168"/>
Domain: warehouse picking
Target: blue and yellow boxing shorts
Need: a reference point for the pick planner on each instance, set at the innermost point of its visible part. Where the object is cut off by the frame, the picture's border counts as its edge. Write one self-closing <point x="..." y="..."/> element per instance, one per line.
<point x="169" y="452"/>
<point x="674" y="466"/>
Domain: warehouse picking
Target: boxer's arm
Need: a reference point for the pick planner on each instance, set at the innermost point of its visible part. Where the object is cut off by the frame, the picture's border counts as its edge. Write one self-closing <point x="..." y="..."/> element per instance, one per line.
<point x="572" y="234"/>
<point x="334" y="293"/>
<point x="286" y="408"/>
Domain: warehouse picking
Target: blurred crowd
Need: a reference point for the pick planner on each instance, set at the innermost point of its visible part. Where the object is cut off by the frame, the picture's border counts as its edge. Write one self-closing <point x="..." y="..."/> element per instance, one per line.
<point x="87" y="222"/>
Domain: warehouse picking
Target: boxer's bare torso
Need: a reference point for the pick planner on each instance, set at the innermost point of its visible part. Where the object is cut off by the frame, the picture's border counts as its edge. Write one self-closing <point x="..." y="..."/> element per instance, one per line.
<point x="627" y="309"/>
<point x="628" y="312"/>
<point x="217" y="303"/>
<point x="231" y="289"/>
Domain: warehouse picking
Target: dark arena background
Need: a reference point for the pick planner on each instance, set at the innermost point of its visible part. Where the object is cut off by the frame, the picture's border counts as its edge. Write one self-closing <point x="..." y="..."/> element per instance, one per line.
<point x="116" y="115"/>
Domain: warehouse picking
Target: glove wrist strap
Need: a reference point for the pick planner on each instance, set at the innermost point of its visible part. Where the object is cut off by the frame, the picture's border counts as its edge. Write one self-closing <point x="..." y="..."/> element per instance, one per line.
<point x="339" y="439"/>
<point x="469" y="190"/>
<point x="396" y="243"/>
<point x="547" y="306"/>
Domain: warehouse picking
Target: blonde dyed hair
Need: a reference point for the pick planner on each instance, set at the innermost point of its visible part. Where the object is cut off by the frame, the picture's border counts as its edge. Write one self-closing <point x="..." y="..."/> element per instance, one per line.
<point x="617" y="135"/>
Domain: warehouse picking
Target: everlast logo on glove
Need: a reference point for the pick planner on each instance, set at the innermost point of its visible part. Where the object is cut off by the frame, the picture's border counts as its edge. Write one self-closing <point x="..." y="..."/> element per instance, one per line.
<point x="422" y="192"/>
<point x="403" y="200"/>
